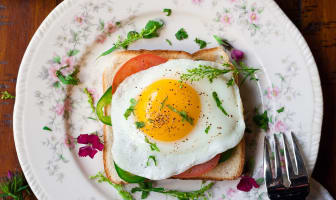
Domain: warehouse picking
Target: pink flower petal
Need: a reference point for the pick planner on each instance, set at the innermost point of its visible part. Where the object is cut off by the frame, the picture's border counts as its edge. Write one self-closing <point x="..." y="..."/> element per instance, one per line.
<point x="246" y="183"/>
<point x="93" y="153"/>
<point x="85" y="151"/>
<point x="98" y="145"/>
<point x="83" y="139"/>
<point x="237" y="55"/>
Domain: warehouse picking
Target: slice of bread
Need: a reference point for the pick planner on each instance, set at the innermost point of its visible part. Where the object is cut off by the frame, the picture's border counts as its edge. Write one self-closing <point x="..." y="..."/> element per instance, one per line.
<point x="228" y="170"/>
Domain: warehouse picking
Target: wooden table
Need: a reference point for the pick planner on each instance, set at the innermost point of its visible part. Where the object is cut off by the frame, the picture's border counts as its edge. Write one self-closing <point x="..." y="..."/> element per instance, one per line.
<point x="316" y="19"/>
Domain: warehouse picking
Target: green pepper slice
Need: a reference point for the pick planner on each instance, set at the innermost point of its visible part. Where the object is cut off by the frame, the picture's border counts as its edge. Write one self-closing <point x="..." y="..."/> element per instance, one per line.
<point x="128" y="177"/>
<point x="105" y="100"/>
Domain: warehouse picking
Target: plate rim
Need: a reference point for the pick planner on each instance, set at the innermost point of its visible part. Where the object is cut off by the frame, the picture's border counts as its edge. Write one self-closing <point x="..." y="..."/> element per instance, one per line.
<point x="63" y="6"/>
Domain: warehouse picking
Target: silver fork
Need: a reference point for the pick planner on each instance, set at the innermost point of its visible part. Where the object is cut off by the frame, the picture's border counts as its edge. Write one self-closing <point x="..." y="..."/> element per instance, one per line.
<point x="298" y="187"/>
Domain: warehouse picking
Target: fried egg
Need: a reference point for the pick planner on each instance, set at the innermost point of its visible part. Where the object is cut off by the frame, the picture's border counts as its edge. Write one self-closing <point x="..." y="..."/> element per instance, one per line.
<point x="166" y="133"/>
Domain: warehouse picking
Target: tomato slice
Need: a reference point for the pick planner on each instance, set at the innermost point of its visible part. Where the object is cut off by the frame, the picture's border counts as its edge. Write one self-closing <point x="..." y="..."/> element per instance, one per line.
<point x="200" y="169"/>
<point x="134" y="65"/>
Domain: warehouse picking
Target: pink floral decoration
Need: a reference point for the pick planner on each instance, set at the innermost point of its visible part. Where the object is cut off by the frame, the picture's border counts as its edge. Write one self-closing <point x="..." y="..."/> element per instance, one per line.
<point x="226" y="19"/>
<point x="253" y="17"/>
<point x="246" y="183"/>
<point x="52" y="73"/>
<point x="79" y="19"/>
<point x="101" y="38"/>
<point x="280" y="126"/>
<point x="94" y="94"/>
<point x="272" y="92"/>
<point x="230" y="192"/>
<point x="69" y="142"/>
<point x="62" y="107"/>
<point x="197" y="1"/>
<point x="110" y="28"/>
<point x="93" y="144"/>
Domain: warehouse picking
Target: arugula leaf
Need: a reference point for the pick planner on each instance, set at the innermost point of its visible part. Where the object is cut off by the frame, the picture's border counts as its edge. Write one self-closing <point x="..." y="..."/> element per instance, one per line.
<point x="169" y="42"/>
<point x="163" y="102"/>
<point x="139" y="124"/>
<point x="174" y="193"/>
<point x="152" y="146"/>
<point x="202" y="44"/>
<point x="262" y="120"/>
<point x="219" y="103"/>
<point x="6" y="95"/>
<point x="181" y="34"/>
<point x="183" y="114"/>
<point x="130" y="109"/>
<point x="70" y="79"/>
<point x="203" y="71"/>
<point x="90" y="100"/>
<point x="151" y="157"/>
<point x="207" y="129"/>
<point x="168" y="11"/>
<point x="122" y="192"/>
<point x="151" y="30"/>
<point x="46" y="128"/>
<point x="281" y="110"/>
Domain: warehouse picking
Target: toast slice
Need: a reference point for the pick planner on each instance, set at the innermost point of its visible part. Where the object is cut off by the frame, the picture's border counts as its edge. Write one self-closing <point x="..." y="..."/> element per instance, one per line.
<point x="228" y="170"/>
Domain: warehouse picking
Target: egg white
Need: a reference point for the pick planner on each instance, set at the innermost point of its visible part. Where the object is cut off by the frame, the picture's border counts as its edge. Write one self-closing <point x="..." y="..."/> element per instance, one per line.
<point x="131" y="152"/>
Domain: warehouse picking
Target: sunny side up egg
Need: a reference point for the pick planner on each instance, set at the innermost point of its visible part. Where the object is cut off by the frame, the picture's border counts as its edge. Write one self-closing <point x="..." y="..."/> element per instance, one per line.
<point x="173" y="117"/>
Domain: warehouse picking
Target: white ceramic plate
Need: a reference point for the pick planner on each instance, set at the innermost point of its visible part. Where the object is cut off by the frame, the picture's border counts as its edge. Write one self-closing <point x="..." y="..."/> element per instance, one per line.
<point x="288" y="78"/>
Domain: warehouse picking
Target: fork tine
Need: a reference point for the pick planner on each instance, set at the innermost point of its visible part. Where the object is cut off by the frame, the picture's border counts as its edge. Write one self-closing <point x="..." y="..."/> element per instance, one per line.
<point x="289" y="166"/>
<point x="298" y="157"/>
<point x="277" y="164"/>
<point x="267" y="164"/>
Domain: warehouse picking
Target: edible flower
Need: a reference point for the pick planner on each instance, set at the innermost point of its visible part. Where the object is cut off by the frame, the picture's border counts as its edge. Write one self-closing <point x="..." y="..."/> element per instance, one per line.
<point x="246" y="183"/>
<point x="93" y="144"/>
<point x="236" y="54"/>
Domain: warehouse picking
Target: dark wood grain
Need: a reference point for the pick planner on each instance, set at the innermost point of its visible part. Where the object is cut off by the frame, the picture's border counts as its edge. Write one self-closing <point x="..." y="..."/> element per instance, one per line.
<point x="316" y="19"/>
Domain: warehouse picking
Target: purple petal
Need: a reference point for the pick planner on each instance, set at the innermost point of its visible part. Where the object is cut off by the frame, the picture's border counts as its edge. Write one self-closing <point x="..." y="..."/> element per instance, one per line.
<point x="93" y="153"/>
<point x="246" y="183"/>
<point x="85" y="151"/>
<point x="237" y="55"/>
<point x="98" y="145"/>
<point x="93" y="139"/>
<point x="83" y="139"/>
<point x="10" y="175"/>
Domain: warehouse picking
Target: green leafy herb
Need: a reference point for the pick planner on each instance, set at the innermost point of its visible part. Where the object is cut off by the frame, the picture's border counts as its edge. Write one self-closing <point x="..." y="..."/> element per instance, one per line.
<point x="73" y="52"/>
<point x="70" y="79"/>
<point x="281" y="110"/>
<point x="203" y="71"/>
<point x="90" y="99"/>
<point x="14" y="186"/>
<point x="230" y="82"/>
<point x="139" y="124"/>
<point x="130" y="109"/>
<point x="46" y="128"/>
<point x="181" y="34"/>
<point x="92" y="118"/>
<point x="101" y="24"/>
<point x="262" y="120"/>
<point x="169" y="42"/>
<point x="153" y="146"/>
<point x="122" y="192"/>
<point x="174" y="193"/>
<point x="223" y="42"/>
<point x="163" y="102"/>
<point x="219" y="103"/>
<point x="244" y="70"/>
<point x="226" y="155"/>
<point x="207" y="129"/>
<point x="151" y="30"/>
<point x="6" y="95"/>
<point x="260" y="181"/>
<point x="202" y="44"/>
<point x="183" y="114"/>
<point x="168" y="11"/>
<point x="57" y="59"/>
<point x="153" y="158"/>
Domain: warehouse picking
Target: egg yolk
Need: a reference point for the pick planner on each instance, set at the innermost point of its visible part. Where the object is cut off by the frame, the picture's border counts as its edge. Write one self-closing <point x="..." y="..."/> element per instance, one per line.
<point x="170" y="109"/>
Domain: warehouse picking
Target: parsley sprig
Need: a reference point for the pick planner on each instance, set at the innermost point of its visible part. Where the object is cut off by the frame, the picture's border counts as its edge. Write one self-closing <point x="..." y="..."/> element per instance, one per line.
<point x="151" y="30"/>
<point x="183" y="114"/>
<point x="14" y="186"/>
<point x="122" y="192"/>
<point x="6" y="95"/>
<point x="261" y="120"/>
<point x="147" y="187"/>
<point x="202" y="44"/>
<point x="151" y="157"/>
<point x="168" y="11"/>
<point x="203" y="71"/>
<point x="181" y="34"/>
<point x="130" y="109"/>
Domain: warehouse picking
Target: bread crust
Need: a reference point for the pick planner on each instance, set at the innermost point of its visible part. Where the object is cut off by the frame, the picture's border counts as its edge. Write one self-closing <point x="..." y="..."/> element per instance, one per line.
<point x="216" y="54"/>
